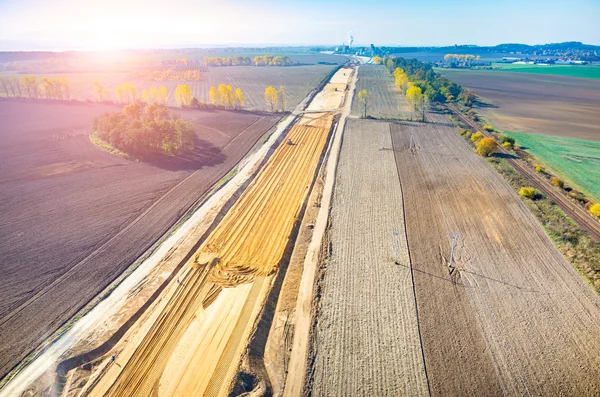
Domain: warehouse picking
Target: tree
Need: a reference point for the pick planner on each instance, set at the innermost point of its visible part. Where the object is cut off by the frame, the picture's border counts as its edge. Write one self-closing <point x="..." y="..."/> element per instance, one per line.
<point x="163" y="95"/>
<point x="468" y="97"/>
<point x="401" y="79"/>
<point x="377" y="60"/>
<point x="239" y="94"/>
<point x="17" y="87"/>
<point x="363" y="97"/>
<point x="528" y="192"/>
<point x="486" y="147"/>
<point x="4" y="85"/>
<point x="595" y="209"/>
<point x="99" y="90"/>
<point x="281" y="93"/>
<point x="213" y="95"/>
<point x="414" y="96"/>
<point x="476" y="136"/>
<point x="555" y="181"/>
<point x="231" y="98"/>
<point x="145" y="96"/>
<point x="223" y="94"/>
<point x="271" y="97"/>
<point x="183" y="95"/>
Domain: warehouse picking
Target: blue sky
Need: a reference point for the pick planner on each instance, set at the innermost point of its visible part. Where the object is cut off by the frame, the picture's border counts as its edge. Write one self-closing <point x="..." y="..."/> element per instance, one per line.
<point x="92" y="24"/>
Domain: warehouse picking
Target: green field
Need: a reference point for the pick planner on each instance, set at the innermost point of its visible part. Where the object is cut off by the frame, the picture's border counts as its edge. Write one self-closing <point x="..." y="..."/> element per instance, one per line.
<point x="576" y="161"/>
<point x="580" y="71"/>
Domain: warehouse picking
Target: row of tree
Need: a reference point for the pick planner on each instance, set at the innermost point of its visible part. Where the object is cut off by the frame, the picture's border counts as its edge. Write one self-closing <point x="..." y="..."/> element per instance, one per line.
<point x="145" y="130"/>
<point x="34" y="88"/>
<point x="437" y="87"/>
<point x="261" y="60"/>
<point x="276" y="98"/>
<point x="226" y="96"/>
<point x="461" y="60"/>
<point x="168" y="75"/>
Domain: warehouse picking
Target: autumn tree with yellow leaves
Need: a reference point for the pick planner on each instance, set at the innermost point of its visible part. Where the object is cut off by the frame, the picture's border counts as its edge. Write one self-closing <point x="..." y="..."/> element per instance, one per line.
<point x="417" y="101"/>
<point x="271" y="97"/>
<point x="213" y="95"/>
<point x="239" y="95"/>
<point x="363" y="97"/>
<point x="183" y="95"/>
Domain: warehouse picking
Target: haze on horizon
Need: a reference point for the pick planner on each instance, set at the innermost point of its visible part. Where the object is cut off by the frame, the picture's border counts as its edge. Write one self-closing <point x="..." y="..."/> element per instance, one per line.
<point x="31" y="25"/>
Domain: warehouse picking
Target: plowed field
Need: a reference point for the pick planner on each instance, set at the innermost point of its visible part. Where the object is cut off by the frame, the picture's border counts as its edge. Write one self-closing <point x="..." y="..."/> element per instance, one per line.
<point x="74" y="216"/>
<point x="367" y="340"/>
<point x="193" y="347"/>
<point x="386" y="100"/>
<point x="514" y="317"/>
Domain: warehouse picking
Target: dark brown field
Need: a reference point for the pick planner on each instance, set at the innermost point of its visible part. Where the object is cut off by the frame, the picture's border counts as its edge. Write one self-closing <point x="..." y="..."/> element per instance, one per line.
<point x="553" y="105"/>
<point x="74" y="217"/>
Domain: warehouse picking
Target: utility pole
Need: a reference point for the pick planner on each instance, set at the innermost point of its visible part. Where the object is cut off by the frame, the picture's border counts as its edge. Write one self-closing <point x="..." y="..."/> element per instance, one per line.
<point x="397" y="246"/>
<point x="412" y="147"/>
<point x="382" y="141"/>
<point x="453" y="238"/>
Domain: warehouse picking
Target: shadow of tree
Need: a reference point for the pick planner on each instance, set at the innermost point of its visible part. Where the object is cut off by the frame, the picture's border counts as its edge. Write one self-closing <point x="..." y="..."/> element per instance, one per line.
<point x="205" y="154"/>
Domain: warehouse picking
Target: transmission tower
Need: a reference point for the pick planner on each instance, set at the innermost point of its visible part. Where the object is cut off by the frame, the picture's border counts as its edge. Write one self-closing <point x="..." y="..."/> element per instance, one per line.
<point x="453" y="238"/>
<point x="412" y="146"/>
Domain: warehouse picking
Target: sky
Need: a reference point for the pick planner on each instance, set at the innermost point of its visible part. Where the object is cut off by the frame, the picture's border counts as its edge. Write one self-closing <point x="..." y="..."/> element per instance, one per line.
<point x="126" y="24"/>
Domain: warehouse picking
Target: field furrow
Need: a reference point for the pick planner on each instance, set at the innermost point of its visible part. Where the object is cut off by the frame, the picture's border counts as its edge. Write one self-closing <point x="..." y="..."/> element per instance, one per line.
<point x="367" y="340"/>
<point x="514" y="318"/>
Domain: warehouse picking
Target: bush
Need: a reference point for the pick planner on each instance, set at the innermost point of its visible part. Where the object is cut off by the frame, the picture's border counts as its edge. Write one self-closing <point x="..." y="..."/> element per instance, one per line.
<point x="557" y="182"/>
<point x="488" y="128"/>
<point x="463" y="132"/>
<point x="595" y="210"/>
<point x="486" y="146"/>
<point x="506" y="138"/>
<point x="476" y="136"/>
<point x="528" y="192"/>
<point x="507" y="145"/>
<point x="538" y="168"/>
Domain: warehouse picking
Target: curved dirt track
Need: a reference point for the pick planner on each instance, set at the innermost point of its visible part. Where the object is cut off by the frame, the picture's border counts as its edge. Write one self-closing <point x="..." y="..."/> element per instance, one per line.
<point x="194" y="345"/>
<point x="515" y="318"/>
<point x="367" y="339"/>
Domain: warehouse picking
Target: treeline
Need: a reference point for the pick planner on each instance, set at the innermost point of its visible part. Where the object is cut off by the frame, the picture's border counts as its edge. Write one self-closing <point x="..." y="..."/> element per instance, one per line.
<point x="168" y="75"/>
<point x="461" y="60"/>
<point x="226" y="96"/>
<point x="434" y="86"/>
<point x="261" y="60"/>
<point x="143" y="130"/>
<point x="33" y="88"/>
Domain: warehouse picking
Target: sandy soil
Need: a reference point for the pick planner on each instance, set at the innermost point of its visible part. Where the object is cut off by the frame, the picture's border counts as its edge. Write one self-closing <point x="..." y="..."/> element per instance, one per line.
<point x="332" y="95"/>
<point x="367" y="340"/>
<point x="514" y="318"/>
